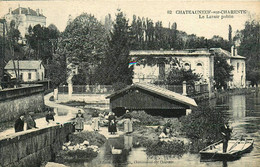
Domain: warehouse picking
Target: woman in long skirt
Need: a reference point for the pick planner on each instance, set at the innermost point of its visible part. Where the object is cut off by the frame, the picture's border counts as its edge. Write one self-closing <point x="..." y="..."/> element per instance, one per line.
<point x="112" y="123"/>
<point x="128" y="127"/>
<point x="95" y="121"/>
<point x="79" y="121"/>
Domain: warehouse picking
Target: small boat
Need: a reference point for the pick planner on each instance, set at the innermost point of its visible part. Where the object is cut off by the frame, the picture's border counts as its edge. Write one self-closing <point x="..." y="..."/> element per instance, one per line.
<point x="236" y="148"/>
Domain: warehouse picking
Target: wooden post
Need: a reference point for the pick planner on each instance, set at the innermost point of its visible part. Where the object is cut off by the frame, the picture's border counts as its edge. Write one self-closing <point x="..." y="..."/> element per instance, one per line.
<point x="55" y="94"/>
<point x="184" y="88"/>
<point x="188" y="111"/>
<point x="70" y="89"/>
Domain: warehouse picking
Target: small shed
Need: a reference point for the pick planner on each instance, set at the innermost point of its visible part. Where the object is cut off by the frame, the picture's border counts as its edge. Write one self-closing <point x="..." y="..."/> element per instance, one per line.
<point x="152" y="99"/>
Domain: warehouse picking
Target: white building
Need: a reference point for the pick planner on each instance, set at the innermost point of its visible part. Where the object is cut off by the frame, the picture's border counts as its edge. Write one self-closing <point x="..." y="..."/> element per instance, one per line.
<point x="29" y="70"/>
<point x="25" y="17"/>
<point x="238" y="79"/>
<point x="199" y="60"/>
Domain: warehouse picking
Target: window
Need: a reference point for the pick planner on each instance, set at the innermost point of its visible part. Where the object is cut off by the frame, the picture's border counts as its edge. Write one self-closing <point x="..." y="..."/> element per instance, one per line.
<point x="161" y="71"/>
<point x="237" y="67"/>
<point x="199" y="64"/>
<point x="21" y="76"/>
<point x="199" y="68"/>
<point x="29" y="76"/>
<point x="186" y="66"/>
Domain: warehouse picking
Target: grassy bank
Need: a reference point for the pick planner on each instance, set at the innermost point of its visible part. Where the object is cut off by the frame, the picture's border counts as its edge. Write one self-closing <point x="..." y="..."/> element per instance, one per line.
<point x="188" y="134"/>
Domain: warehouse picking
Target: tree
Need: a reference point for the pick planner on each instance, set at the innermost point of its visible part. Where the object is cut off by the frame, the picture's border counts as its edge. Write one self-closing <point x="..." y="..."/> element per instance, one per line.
<point x="249" y="47"/>
<point x="177" y="76"/>
<point x="84" y="41"/>
<point x="56" y="70"/>
<point x="230" y="34"/>
<point x="115" y="66"/>
<point x="222" y="71"/>
<point x="39" y="39"/>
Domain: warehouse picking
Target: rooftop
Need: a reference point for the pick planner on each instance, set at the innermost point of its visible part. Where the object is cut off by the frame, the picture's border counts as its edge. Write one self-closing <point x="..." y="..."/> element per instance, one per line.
<point x="225" y="53"/>
<point x="159" y="91"/>
<point x="27" y="11"/>
<point x="170" y="52"/>
<point x="24" y="64"/>
<point x="186" y="52"/>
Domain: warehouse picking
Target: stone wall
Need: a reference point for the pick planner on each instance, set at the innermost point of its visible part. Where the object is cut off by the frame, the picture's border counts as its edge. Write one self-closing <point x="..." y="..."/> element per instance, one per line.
<point x="20" y="100"/>
<point x="33" y="147"/>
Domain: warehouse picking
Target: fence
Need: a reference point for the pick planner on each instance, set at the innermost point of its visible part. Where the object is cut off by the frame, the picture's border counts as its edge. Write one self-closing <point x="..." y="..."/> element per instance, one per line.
<point x="201" y="88"/>
<point x="108" y="89"/>
<point x="88" y="89"/>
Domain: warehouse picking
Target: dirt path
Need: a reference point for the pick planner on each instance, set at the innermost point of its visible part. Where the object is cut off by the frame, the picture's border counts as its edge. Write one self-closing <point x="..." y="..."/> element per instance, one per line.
<point x="63" y="114"/>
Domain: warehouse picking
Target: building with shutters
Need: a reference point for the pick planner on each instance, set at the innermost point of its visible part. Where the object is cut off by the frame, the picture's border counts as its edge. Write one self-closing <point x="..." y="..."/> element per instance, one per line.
<point x="29" y="70"/>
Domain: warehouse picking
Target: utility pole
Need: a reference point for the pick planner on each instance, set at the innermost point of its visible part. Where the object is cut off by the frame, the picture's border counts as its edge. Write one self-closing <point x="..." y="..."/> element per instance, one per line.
<point x="11" y="47"/>
<point x="2" y="56"/>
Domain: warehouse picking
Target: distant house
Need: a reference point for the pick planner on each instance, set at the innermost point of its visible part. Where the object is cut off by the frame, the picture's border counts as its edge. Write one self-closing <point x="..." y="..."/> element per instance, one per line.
<point x="25" y="17"/>
<point x="238" y="78"/>
<point x="201" y="61"/>
<point x="29" y="70"/>
<point x="152" y="99"/>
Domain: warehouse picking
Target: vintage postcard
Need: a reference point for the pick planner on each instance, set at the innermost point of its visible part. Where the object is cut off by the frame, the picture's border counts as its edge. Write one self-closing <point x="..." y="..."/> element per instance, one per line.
<point x="129" y="83"/>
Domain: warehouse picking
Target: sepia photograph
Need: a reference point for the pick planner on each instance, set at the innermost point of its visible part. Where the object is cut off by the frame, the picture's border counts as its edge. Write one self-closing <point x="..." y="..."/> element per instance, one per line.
<point x="129" y="83"/>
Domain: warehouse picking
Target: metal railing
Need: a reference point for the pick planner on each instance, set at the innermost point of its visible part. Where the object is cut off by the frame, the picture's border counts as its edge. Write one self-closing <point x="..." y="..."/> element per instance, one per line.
<point x="88" y="89"/>
<point x="108" y="89"/>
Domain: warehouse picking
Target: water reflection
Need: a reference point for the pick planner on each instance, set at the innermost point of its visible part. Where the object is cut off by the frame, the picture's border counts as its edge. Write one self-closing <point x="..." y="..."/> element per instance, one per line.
<point x="60" y="112"/>
<point x="244" y="114"/>
<point x="238" y="107"/>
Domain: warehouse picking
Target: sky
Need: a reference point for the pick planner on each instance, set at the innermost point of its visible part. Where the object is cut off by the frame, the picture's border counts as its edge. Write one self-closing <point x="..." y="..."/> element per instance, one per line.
<point x="184" y="13"/>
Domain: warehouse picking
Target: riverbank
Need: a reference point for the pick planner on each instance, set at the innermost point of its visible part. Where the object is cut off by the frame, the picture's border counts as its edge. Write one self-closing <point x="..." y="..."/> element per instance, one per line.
<point x="222" y="93"/>
<point x="200" y="128"/>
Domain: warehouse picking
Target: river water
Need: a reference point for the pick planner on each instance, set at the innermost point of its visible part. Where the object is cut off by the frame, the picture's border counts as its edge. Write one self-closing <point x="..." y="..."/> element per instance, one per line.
<point x="244" y="117"/>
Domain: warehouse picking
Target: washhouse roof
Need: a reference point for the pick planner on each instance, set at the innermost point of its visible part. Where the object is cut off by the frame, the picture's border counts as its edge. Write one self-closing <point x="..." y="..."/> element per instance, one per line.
<point x="159" y="91"/>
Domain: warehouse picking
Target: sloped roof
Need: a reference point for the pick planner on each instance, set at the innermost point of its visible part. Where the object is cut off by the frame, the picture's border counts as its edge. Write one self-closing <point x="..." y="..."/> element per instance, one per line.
<point x="24" y="64"/>
<point x="226" y="53"/>
<point x="170" y="52"/>
<point x="26" y="11"/>
<point x="160" y="91"/>
<point x="186" y="52"/>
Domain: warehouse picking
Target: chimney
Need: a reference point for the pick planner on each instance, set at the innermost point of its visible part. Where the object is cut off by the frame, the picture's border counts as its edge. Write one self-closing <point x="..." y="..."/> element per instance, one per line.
<point x="28" y="10"/>
<point x="235" y="51"/>
<point x="232" y="50"/>
<point x="38" y="12"/>
<point x="20" y="10"/>
<point x="10" y="10"/>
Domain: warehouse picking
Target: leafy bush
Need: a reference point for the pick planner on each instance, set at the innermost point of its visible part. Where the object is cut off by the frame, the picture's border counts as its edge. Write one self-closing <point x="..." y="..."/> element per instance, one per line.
<point x="76" y="155"/>
<point x="203" y="124"/>
<point x="93" y="138"/>
<point x="145" y="119"/>
<point x="175" y="147"/>
<point x="119" y="85"/>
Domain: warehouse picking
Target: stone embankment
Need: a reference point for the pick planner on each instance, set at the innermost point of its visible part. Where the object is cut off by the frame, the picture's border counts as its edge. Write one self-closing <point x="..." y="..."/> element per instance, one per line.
<point x="33" y="146"/>
<point x="18" y="100"/>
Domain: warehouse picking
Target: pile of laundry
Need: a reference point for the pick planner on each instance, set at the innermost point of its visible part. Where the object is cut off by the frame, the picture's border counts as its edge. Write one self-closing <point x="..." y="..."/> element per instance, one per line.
<point x="80" y="152"/>
<point x="82" y="146"/>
